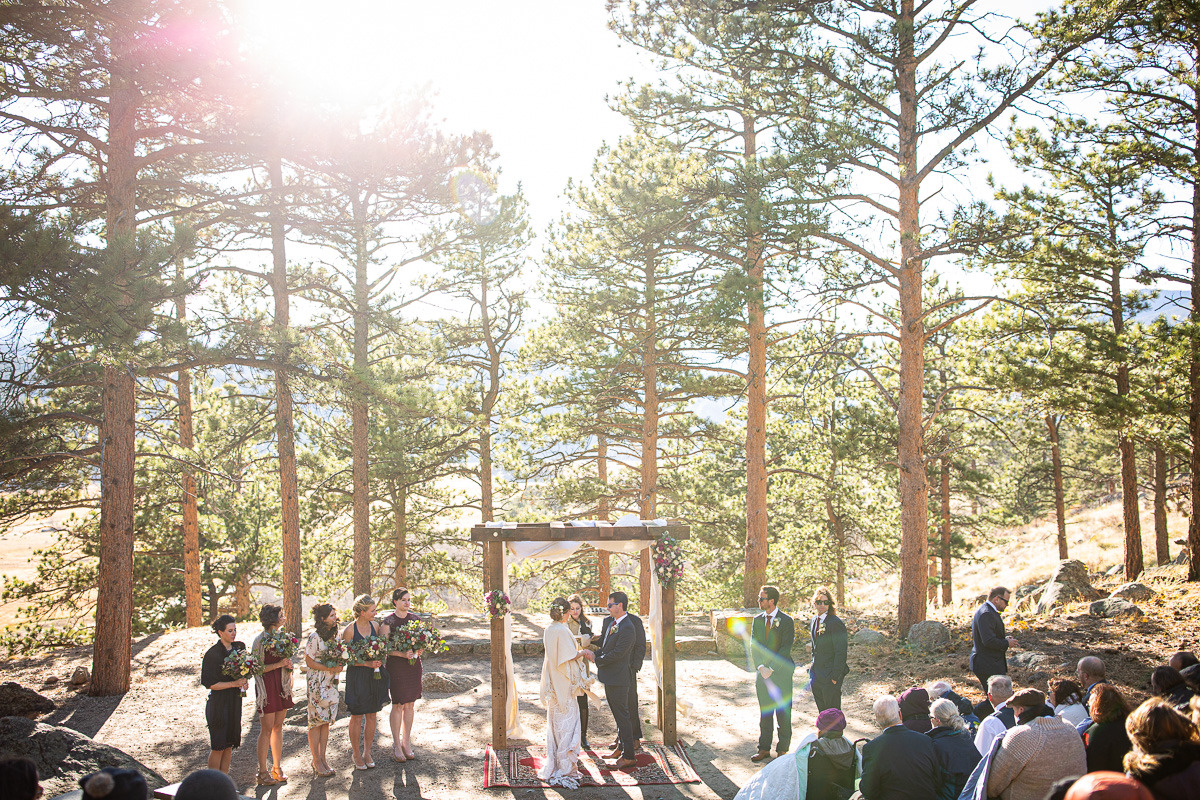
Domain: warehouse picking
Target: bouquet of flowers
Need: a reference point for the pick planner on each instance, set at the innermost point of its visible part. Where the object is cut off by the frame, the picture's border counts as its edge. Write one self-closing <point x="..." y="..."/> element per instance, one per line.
<point x="497" y="603"/>
<point x="240" y="664"/>
<point x="335" y="654"/>
<point x="281" y="643"/>
<point x="372" y="648"/>
<point x="668" y="560"/>
<point x="416" y="638"/>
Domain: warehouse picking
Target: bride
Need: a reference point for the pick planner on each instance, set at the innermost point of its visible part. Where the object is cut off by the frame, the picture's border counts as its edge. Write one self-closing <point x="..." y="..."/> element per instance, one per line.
<point x="563" y="679"/>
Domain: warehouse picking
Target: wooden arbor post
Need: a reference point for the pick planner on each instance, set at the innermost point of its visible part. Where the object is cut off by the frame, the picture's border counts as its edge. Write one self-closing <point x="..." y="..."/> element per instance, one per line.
<point x="493" y="541"/>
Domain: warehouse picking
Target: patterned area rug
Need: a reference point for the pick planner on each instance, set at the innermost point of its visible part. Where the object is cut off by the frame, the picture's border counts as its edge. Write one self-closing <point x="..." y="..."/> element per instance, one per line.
<point x="517" y="767"/>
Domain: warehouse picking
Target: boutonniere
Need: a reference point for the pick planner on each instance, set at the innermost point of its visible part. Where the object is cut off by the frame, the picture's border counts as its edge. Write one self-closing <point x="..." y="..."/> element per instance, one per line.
<point x="821" y="629"/>
<point x="775" y="622"/>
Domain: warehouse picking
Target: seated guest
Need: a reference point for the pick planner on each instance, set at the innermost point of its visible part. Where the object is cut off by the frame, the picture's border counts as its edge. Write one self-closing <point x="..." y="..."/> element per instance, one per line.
<point x="966" y="709"/>
<point x="19" y="777"/>
<point x="1167" y="683"/>
<point x="824" y="766"/>
<point x="1191" y="676"/>
<point x="994" y="726"/>
<point x="1066" y="698"/>
<point x="914" y="709"/>
<point x="1108" y="786"/>
<point x="1166" y="751"/>
<point x="1182" y="660"/>
<point x="898" y="764"/>
<point x="1105" y="740"/>
<point x="954" y="747"/>
<point x="1090" y="671"/>
<point x="1033" y="756"/>
<point x="112" y="783"/>
<point x="207" y="784"/>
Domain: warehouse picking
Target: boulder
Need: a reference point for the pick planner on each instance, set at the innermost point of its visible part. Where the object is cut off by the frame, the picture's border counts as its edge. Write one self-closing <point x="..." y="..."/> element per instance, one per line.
<point x="17" y="701"/>
<point x="1115" y="569"/>
<point x="444" y="683"/>
<point x="731" y="629"/>
<point x="1069" y="582"/>
<point x="929" y="635"/>
<point x="51" y="680"/>
<point x="1114" y="608"/>
<point x="868" y="637"/>
<point x="63" y="756"/>
<point x="80" y="677"/>
<point x="1026" y="590"/>
<point x="1028" y="659"/>
<point x="458" y="647"/>
<point x="1134" y="592"/>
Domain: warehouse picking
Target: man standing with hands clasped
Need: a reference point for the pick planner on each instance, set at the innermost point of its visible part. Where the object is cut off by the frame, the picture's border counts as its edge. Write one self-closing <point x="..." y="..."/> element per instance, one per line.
<point x="829" y="644"/>
<point x="988" y="640"/>
<point x="771" y="637"/>
<point x="614" y="669"/>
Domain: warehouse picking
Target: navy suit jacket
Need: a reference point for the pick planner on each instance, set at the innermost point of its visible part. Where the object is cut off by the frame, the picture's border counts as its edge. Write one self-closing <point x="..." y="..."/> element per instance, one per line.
<point x="614" y="660"/>
<point x="988" y="642"/>
<point x="773" y="648"/>
<point x="900" y="764"/>
<point x="638" y="656"/>
<point x="829" y="649"/>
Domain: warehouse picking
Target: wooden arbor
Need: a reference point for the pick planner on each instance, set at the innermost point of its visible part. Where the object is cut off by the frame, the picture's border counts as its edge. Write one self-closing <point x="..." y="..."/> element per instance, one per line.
<point x="493" y="541"/>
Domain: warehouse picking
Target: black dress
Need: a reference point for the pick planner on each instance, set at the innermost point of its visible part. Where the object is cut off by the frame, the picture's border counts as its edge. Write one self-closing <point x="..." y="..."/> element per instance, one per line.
<point x="366" y="691"/>
<point x="223" y="711"/>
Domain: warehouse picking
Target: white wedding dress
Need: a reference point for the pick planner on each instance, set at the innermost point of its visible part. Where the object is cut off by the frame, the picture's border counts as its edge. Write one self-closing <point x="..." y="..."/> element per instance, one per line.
<point x="563" y="679"/>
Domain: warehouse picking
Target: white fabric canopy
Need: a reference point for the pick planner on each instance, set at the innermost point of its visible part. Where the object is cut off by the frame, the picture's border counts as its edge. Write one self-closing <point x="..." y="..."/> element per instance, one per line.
<point x="557" y="551"/>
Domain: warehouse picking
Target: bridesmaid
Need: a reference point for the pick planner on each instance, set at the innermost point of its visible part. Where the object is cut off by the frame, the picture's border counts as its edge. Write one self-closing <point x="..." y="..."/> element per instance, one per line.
<point x="272" y="697"/>
<point x="323" y="695"/>
<point x="223" y="711"/>
<point x="363" y="698"/>
<point x="404" y="679"/>
<point x="580" y="625"/>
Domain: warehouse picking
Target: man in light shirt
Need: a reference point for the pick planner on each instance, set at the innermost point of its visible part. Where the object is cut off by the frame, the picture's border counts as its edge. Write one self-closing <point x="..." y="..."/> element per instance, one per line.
<point x="1000" y="689"/>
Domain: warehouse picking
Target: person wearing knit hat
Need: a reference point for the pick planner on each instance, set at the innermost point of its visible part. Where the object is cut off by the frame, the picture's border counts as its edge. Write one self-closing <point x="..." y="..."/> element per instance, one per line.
<point x="207" y="784"/>
<point x="1108" y="786"/>
<point x="831" y="719"/>
<point x="112" y="783"/>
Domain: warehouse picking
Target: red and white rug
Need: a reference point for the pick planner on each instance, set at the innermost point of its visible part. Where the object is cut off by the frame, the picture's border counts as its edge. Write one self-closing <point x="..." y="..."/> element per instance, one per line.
<point x="517" y="767"/>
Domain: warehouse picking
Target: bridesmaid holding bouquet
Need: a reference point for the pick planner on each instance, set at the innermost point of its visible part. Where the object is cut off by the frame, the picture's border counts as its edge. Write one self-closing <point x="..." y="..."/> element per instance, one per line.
<point x="366" y="692"/>
<point x="404" y="678"/>
<point x="223" y="711"/>
<point x="322" y="656"/>
<point x="273" y="693"/>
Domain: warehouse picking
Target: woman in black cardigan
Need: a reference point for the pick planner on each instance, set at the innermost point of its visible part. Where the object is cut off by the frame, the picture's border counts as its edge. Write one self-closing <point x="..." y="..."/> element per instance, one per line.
<point x="223" y="712"/>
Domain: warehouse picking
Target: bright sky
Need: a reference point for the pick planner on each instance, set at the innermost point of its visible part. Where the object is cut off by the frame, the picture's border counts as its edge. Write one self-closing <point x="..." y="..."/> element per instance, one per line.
<point x="532" y="73"/>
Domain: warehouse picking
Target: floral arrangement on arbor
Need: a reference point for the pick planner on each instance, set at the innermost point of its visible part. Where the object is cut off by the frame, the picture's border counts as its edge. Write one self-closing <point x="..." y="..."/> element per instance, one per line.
<point x="668" y="559"/>
<point x="498" y="603"/>
<point x="240" y="664"/>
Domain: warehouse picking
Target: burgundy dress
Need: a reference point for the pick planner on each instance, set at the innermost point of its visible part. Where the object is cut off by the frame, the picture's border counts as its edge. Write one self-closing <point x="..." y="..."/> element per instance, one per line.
<point x="274" y="682"/>
<point x="404" y="678"/>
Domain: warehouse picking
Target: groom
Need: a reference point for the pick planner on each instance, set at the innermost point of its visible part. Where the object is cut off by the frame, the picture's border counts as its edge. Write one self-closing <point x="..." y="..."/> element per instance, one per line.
<point x="614" y="669"/>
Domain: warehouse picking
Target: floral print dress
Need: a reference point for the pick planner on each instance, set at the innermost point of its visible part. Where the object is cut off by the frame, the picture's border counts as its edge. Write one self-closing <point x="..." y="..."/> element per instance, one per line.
<point x="323" y="697"/>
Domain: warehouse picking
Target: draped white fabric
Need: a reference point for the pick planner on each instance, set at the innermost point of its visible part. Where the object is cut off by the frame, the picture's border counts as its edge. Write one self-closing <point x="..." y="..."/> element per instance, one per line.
<point x="557" y="551"/>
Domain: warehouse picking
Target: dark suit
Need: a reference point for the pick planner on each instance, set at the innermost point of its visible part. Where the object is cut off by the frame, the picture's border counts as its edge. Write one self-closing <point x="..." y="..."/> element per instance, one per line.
<point x="773" y="648"/>
<point x="989" y="643"/>
<point x="636" y="659"/>
<point x="614" y="669"/>
<point x="829" y="661"/>
<point x="900" y="764"/>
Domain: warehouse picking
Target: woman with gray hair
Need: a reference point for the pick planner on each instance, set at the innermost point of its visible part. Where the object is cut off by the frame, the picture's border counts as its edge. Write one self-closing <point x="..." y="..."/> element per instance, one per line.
<point x="954" y="747"/>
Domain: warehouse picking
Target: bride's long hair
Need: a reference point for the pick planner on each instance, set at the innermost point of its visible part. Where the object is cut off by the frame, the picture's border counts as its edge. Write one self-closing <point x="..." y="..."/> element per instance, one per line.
<point x="559" y="608"/>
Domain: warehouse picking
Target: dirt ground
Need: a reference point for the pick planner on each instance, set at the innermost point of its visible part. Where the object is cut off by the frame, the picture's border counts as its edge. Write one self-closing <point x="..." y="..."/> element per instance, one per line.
<point x="161" y="723"/>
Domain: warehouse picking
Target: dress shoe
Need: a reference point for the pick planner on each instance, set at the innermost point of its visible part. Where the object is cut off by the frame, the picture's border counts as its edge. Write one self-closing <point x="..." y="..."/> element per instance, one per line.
<point x="761" y="755"/>
<point x="624" y="763"/>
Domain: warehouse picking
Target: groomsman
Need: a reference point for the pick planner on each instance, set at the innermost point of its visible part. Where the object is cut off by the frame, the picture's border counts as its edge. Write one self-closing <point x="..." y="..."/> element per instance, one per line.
<point x="771" y="637"/>
<point x="828" y="668"/>
<point x="614" y="669"/>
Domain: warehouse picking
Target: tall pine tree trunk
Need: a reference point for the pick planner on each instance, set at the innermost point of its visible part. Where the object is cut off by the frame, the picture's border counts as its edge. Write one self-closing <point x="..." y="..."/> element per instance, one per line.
<point x="193" y="603"/>
<point x="914" y="490"/>
<point x="1193" y="538"/>
<point x="946" y="585"/>
<point x="491" y="391"/>
<point x="756" y="396"/>
<point x="114" y="597"/>
<point x="1130" y="507"/>
<point x="648" y="506"/>
<point x="1162" y="542"/>
<point x="400" y="510"/>
<point x="285" y="433"/>
<point x="359" y="433"/>
<point x="1060" y="508"/>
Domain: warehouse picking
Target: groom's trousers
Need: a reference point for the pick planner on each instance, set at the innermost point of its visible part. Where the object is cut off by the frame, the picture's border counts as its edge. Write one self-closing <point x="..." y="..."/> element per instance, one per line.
<point x="774" y="704"/>
<point x="618" y="701"/>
